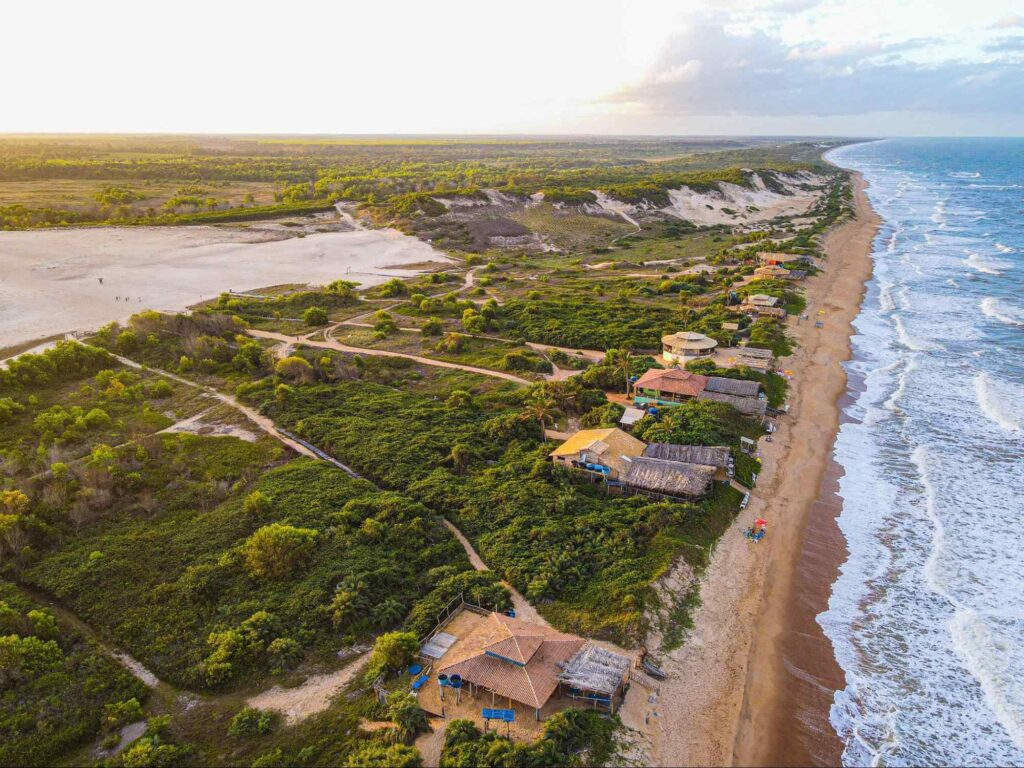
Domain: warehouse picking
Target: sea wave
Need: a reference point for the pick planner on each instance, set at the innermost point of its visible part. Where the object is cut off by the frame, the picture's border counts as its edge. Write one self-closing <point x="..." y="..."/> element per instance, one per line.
<point x="985" y="655"/>
<point x="1001" y="401"/>
<point x="965" y="174"/>
<point x="1004" y="313"/>
<point x="987" y="265"/>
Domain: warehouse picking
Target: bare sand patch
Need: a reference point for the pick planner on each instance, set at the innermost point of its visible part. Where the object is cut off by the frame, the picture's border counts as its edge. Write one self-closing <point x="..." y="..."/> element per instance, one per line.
<point x="50" y="281"/>
<point x="313" y="696"/>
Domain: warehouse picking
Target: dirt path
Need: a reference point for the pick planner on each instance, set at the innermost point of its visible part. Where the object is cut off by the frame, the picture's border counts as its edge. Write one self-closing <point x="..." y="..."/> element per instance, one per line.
<point x="310" y="698"/>
<point x="522" y="606"/>
<point x="261" y="421"/>
<point x="337" y="345"/>
<point x="71" y="619"/>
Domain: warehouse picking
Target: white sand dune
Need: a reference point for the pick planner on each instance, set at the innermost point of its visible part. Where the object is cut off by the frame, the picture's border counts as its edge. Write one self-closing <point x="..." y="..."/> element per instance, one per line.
<point x="50" y="279"/>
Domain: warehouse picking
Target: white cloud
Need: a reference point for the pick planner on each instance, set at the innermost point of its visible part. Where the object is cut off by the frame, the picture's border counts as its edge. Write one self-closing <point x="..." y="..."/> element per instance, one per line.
<point x="1009" y="22"/>
<point x="816" y="78"/>
<point x="680" y="73"/>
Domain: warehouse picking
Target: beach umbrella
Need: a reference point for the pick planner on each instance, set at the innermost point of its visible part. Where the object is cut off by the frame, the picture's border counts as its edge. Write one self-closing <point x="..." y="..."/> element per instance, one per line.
<point x="789" y="372"/>
<point x="761" y="521"/>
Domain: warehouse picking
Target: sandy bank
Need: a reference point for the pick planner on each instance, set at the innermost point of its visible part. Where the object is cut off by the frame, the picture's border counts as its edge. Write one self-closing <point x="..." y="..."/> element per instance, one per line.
<point x="50" y="279"/>
<point x="721" y="705"/>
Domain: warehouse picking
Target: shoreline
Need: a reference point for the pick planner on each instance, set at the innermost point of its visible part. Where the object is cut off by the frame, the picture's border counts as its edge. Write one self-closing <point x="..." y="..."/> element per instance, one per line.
<point x="738" y="699"/>
<point x="792" y="674"/>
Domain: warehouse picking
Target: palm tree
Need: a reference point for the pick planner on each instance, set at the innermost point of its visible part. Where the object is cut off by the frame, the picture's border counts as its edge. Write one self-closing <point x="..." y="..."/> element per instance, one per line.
<point x="623" y="361"/>
<point x="542" y="410"/>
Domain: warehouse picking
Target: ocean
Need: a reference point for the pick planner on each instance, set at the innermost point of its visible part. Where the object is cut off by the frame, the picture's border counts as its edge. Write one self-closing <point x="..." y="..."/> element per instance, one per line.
<point x="927" y="615"/>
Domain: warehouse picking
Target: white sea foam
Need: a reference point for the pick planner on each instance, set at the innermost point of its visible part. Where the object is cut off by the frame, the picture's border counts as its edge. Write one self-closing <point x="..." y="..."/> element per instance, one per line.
<point x="1001" y="311"/>
<point x="925" y="617"/>
<point x="910" y="341"/>
<point x="1001" y="401"/>
<point x="965" y="174"/>
<point x="986" y="657"/>
<point x="985" y="264"/>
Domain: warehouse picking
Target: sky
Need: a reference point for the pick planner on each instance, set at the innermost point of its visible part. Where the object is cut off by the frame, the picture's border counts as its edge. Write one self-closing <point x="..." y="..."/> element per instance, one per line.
<point x="660" y="67"/>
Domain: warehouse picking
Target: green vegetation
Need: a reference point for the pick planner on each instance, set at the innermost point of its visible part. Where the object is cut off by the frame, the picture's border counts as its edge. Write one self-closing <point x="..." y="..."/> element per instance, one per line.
<point x="227" y="565"/>
<point x="58" y="688"/>
<point x="571" y="738"/>
<point x="56" y="181"/>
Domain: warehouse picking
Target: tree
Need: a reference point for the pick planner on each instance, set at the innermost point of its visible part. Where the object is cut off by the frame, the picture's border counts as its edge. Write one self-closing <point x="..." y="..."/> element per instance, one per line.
<point x="275" y="551"/>
<point x="405" y="712"/>
<point x="377" y="756"/>
<point x="249" y="357"/>
<point x="315" y="316"/>
<point x="343" y="288"/>
<point x="384" y="322"/>
<point x="433" y="327"/>
<point x="542" y="410"/>
<point x="392" y="651"/>
<point x="388" y="612"/>
<point x="14" y="502"/>
<point x="622" y="359"/>
<point x="460" y="457"/>
<point x="256" y="504"/>
<point x="294" y="369"/>
<point x="473" y="321"/>
<point x="250" y="722"/>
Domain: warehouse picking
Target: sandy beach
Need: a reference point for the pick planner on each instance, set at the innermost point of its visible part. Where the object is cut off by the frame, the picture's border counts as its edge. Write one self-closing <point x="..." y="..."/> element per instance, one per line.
<point x="50" y="281"/>
<point x="732" y="698"/>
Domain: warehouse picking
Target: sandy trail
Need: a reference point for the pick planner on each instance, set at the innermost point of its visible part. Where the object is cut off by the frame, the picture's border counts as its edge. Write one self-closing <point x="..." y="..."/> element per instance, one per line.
<point x="337" y="345"/>
<point x="50" y="281"/>
<point x="716" y="707"/>
<point x="522" y="606"/>
<point x="313" y="696"/>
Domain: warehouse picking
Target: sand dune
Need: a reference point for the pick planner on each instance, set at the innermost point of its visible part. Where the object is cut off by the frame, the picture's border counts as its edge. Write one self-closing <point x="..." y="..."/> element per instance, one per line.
<point x="50" y="279"/>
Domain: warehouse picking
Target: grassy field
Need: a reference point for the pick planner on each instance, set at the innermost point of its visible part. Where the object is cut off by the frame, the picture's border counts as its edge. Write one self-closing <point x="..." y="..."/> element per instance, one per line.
<point x="570" y="230"/>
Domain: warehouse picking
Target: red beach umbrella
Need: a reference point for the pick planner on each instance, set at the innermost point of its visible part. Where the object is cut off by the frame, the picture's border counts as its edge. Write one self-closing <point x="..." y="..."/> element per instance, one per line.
<point x="761" y="521"/>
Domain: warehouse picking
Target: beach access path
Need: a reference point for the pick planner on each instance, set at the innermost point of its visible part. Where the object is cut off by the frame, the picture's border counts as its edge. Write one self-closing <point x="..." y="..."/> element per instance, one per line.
<point x="338" y="346"/>
<point x="718" y="705"/>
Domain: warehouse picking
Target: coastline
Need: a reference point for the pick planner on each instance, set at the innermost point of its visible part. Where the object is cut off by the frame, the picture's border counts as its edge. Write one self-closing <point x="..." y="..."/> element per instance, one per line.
<point x="737" y="699"/>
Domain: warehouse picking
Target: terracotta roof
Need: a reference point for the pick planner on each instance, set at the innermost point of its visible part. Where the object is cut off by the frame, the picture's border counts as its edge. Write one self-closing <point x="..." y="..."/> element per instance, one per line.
<point x="708" y="455"/>
<point x="518" y="648"/>
<point x="781" y="258"/>
<point x="673" y="380"/>
<point x="531" y="654"/>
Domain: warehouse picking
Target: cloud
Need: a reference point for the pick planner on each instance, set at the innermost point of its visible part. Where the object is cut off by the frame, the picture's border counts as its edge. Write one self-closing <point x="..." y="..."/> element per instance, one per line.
<point x="1006" y="45"/>
<point x="707" y="69"/>
<point x="1009" y="22"/>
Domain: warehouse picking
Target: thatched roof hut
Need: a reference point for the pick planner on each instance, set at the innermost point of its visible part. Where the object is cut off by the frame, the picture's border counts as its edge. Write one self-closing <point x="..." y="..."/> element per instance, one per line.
<point x="749" y="406"/>
<point x="737" y="387"/>
<point x="670" y="478"/>
<point x="717" y="456"/>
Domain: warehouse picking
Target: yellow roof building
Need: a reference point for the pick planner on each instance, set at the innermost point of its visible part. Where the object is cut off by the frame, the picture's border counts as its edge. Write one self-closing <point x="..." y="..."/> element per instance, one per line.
<point x="610" y="447"/>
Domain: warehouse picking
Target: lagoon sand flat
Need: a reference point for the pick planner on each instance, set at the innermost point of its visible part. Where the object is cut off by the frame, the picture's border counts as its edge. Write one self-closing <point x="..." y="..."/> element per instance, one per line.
<point x="50" y="281"/>
<point x="723" y="704"/>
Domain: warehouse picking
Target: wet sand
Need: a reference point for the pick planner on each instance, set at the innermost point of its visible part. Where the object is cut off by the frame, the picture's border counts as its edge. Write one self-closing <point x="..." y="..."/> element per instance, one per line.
<point x="792" y="673"/>
<point x="50" y="279"/>
<point x="732" y="695"/>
